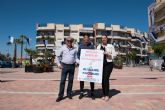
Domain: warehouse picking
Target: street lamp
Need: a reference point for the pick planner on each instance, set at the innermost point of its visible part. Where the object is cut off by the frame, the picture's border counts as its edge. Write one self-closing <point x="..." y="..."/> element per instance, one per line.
<point x="112" y="34"/>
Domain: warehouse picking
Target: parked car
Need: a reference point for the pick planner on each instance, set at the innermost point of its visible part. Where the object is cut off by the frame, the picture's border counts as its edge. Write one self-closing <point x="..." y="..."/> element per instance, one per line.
<point x="1" y="64"/>
<point x="16" y="66"/>
<point x="5" y="64"/>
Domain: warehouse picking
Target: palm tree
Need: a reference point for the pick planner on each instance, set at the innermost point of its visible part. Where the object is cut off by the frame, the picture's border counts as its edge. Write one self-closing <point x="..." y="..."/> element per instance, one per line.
<point x="22" y="38"/>
<point x="132" y="56"/>
<point x="48" y="39"/>
<point x="158" y="49"/>
<point x="15" y="42"/>
<point x="32" y="54"/>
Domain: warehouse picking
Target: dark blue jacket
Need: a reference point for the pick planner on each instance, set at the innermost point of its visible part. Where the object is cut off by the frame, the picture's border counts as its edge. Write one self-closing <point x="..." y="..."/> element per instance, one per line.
<point x="83" y="46"/>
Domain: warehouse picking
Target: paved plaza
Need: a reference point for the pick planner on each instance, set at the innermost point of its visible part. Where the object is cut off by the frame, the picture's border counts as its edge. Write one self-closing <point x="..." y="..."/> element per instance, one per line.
<point x="132" y="88"/>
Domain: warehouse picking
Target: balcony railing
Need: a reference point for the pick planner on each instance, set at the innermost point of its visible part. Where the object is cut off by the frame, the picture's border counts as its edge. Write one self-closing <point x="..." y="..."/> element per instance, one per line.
<point x="52" y="44"/>
<point x="42" y="25"/>
<point x="40" y="45"/>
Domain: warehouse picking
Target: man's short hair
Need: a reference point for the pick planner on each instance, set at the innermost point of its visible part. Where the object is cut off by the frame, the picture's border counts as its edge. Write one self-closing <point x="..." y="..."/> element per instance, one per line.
<point x="105" y="35"/>
<point x="69" y="38"/>
<point x="86" y="35"/>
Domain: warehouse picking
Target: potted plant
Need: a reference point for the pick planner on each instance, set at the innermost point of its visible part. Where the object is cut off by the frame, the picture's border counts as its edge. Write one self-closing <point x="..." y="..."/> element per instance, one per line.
<point x="159" y="49"/>
<point x="47" y="60"/>
<point x="29" y="67"/>
<point x="38" y="68"/>
<point x="132" y="57"/>
<point x="118" y="62"/>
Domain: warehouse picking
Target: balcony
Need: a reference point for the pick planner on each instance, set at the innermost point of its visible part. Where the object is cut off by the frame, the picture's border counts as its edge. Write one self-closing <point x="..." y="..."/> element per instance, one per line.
<point x="161" y="39"/>
<point x="98" y="36"/>
<point x="59" y="26"/>
<point x="135" y="47"/>
<point x="50" y="45"/>
<point x="41" y="53"/>
<point x="75" y="27"/>
<point x="116" y="28"/>
<point x="159" y="6"/>
<point x="38" y="37"/>
<point x="86" y="30"/>
<point x="99" y="26"/>
<point x="40" y="45"/>
<point x="119" y="38"/>
<point x="158" y="19"/>
<point x="49" y="26"/>
<point x="46" y="36"/>
<point x="158" y="28"/>
<point x="125" y="46"/>
<point x="121" y="53"/>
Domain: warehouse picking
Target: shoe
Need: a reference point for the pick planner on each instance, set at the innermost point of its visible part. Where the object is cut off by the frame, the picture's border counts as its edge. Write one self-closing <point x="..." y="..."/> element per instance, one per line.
<point x="103" y="98"/>
<point x="106" y="98"/>
<point x="92" y="96"/>
<point x="69" y="96"/>
<point x="81" y="96"/>
<point x="59" y="99"/>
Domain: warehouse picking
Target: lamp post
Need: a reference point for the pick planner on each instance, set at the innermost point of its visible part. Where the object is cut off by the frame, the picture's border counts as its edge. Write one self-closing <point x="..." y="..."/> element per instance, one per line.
<point x="112" y="35"/>
<point x="14" y="41"/>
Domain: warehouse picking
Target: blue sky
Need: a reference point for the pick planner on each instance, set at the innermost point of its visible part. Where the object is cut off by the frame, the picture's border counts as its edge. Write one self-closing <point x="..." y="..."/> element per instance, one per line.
<point x="20" y="16"/>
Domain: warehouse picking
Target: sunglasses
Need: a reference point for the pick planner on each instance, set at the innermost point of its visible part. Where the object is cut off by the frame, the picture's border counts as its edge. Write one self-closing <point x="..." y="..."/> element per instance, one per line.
<point x="69" y="41"/>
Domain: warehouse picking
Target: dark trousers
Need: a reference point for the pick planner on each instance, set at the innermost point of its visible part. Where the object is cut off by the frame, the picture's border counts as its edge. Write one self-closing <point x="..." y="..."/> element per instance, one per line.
<point x="107" y="69"/>
<point x="67" y="69"/>
<point x="82" y="86"/>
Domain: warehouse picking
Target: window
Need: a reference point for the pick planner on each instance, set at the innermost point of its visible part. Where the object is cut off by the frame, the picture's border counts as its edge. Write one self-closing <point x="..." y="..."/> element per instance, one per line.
<point x="66" y="33"/>
<point x="74" y="31"/>
<point x="98" y="32"/>
<point x="59" y="30"/>
<point x="108" y="33"/>
<point x="42" y="33"/>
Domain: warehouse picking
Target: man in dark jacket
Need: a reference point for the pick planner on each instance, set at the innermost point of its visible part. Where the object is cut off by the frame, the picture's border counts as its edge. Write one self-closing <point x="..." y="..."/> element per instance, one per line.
<point x="86" y="44"/>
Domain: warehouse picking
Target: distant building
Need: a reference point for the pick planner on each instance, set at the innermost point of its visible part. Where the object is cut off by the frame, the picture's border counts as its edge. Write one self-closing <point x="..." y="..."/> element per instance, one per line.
<point x="123" y="38"/>
<point x="156" y="18"/>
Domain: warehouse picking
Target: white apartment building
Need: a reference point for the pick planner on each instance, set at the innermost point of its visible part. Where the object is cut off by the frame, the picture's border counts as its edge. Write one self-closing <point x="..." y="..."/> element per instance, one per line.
<point x="123" y="38"/>
<point x="156" y="19"/>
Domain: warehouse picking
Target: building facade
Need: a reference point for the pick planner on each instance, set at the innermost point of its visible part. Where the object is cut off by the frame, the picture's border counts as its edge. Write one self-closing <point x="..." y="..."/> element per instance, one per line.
<point x="156" y="19"/>
<point x="50" y="36"/>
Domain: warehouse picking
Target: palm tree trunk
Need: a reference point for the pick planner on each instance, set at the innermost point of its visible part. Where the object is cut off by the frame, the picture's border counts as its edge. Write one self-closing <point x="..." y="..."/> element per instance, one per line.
<point x="15" y="55"/>
<point x="31" y="60"/>
<point x="21" y="51"/>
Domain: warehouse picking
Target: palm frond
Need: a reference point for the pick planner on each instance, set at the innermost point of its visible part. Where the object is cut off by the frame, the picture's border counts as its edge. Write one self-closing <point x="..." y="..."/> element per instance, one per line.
<point x="9" y="43"/>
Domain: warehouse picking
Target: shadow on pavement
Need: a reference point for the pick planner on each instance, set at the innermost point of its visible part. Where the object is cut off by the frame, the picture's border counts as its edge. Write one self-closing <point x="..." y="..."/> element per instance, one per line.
<point x="112" y="79"/>
<point x="98" y="93"/>
<point x="4" y="81"/>
<point x="3" y="72"/>
<point x="149" y="78"/>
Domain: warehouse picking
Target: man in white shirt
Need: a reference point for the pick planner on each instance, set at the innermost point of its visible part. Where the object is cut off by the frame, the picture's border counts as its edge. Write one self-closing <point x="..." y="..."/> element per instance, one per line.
<point x="66" y="61"/>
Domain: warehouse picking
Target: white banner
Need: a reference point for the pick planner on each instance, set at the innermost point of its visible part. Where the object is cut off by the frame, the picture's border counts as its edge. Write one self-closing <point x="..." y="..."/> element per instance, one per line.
<point x="91" y="66"/>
